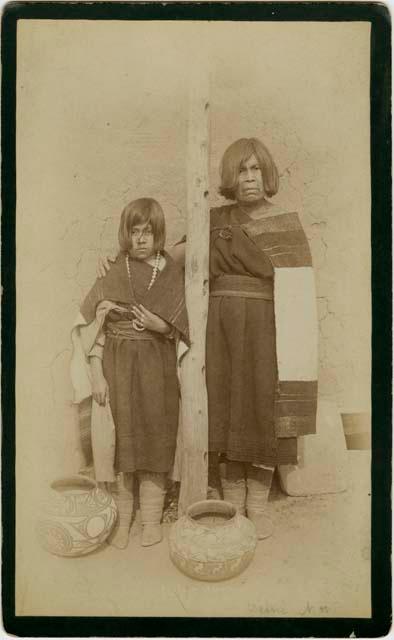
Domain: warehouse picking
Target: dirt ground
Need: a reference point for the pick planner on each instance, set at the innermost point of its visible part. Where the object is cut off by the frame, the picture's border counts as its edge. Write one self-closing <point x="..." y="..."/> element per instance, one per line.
<point x="317" y="564"/>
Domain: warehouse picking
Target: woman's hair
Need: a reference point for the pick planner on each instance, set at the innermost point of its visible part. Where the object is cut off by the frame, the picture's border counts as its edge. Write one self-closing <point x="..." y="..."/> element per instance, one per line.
<point x="238" y="153"/>
<point x="142" y="211"/>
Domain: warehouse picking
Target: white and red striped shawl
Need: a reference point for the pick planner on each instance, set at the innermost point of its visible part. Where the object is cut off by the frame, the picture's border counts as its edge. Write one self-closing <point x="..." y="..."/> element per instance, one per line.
<point x="283" y="240"/>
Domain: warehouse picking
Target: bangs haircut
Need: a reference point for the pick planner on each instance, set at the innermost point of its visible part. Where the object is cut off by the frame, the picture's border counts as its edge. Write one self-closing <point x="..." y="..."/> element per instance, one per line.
<point x="142" y="211"/>
<point x="238" y="153"/>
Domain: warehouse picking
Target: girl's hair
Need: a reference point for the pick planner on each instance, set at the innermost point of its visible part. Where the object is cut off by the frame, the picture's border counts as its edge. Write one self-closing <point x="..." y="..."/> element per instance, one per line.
<point x="142" y="211"/>
<point x="238" y="153"/>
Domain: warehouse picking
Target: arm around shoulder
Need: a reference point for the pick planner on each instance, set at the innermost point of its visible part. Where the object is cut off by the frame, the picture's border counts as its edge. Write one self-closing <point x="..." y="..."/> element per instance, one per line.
<point x="104" y="264"/>
<point x="177" y="253"/>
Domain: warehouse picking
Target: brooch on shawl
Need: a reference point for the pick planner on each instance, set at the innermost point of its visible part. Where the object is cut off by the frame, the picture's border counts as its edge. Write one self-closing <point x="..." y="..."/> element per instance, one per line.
<point x="226" y="232"/>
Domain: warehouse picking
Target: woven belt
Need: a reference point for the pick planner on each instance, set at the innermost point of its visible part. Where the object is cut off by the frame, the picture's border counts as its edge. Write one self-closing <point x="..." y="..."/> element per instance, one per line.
<point x="126" y="331"/>
<point x="242" y="287"/>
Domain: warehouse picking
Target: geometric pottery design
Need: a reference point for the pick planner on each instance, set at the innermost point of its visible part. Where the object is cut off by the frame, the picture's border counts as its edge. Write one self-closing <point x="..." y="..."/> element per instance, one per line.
<point x="76" y="517"/>
<point x="212" y="541"/>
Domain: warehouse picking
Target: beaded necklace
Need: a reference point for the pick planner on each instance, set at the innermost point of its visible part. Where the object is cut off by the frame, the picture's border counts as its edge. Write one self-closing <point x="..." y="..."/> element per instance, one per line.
<point x="155" y="271"/>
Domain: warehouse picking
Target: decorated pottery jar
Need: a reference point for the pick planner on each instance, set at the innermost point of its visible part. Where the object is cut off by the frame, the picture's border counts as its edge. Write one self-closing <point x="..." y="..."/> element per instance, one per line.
<point x="212" y="541"/>
<point x="76" y="517"/>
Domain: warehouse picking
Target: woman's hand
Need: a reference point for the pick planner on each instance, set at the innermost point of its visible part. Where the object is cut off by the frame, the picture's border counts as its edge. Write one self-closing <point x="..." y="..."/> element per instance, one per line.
<point x="99" y="383"/>
<point x="104" y="265"/>
<point x="149" y="320"/>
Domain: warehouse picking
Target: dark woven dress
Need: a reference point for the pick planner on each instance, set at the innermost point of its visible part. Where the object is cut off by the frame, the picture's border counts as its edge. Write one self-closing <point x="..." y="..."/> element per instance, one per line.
<point x="140" y="367"/>
<point x="241" y="351"/>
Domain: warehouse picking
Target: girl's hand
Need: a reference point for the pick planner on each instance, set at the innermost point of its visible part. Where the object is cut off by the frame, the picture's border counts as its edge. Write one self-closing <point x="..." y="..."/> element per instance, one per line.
<point x="99" y="383"/>
<point x="100" y="390"/>
<point x="149" y="320"/>
<point x="104" y="265"/>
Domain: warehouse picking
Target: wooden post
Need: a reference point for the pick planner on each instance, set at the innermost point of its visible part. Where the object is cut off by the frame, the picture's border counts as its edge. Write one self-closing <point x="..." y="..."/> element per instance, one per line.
<point x="194" y="470"/>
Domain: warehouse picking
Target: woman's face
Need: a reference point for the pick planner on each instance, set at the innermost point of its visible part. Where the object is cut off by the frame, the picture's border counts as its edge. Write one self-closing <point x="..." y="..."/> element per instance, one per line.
<point x="142" y="241"/>
<point x="250" y="187"/>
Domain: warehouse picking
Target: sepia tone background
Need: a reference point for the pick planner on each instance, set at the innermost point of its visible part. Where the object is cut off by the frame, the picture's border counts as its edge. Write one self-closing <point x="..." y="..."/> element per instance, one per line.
<point x="102" y="117"/>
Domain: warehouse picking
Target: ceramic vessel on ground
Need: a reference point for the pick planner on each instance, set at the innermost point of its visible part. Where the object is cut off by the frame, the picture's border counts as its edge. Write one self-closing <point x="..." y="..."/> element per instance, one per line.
<point x="357" y="430"/>
<point x="76" y="517"/>
<point x="212" y="541"/>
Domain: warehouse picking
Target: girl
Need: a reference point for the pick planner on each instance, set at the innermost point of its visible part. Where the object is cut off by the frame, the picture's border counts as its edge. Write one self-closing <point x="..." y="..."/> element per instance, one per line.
<point x="138" y="310"/>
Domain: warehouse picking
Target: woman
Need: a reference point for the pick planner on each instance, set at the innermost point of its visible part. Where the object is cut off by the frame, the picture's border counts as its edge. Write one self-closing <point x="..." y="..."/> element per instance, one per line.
<point x="261" y="332"/>
<point x="255" y="414"/>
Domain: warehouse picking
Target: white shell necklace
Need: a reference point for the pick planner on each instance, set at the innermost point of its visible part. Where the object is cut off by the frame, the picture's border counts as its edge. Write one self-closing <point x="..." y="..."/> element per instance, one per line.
<point x="154" y="272"/>
<point x="135" y="323"/>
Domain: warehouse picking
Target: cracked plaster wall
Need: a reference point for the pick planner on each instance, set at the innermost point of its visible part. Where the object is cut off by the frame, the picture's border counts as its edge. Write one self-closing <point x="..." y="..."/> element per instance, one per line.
<point x="102" y="119"/>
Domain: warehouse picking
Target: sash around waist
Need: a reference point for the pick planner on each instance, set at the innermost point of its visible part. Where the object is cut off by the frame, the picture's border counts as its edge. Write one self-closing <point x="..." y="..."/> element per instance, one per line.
<point x="124" y="329"/>
<point x="242" y="287"/>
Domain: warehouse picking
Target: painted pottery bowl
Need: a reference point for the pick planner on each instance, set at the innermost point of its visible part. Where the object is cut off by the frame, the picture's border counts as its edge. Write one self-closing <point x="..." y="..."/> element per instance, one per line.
<point x="76" y="517"/>
<point x="212" y="541"/>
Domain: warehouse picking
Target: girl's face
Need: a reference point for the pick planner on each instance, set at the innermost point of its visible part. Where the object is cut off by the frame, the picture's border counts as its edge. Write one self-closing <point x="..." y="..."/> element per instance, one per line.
<point x="142" y="241"/>
<point x="250" y="187"/>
